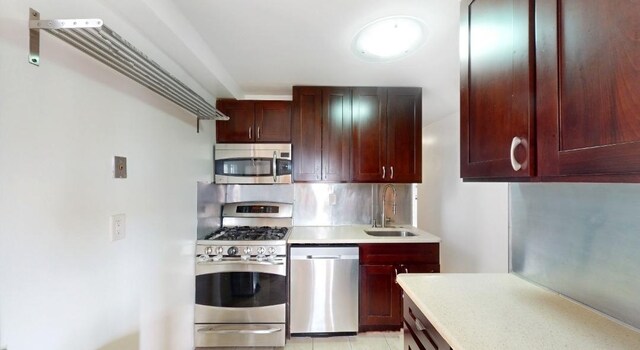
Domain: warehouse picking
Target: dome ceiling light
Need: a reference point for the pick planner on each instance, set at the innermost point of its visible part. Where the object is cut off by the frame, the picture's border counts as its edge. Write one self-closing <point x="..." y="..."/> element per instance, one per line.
<point x="389" y="38"/>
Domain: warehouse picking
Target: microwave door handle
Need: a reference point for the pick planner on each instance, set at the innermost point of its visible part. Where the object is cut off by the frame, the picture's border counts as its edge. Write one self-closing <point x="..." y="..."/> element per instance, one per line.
<point x="275" y="175"/>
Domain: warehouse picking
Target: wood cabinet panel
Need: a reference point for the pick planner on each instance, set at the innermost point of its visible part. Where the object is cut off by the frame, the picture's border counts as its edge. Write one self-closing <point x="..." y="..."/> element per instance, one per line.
<point x="239" y="127"/>
<point x="321" y="134"/>
<point x="400" y="253"/>
<point x="273" y="121"/>
<point x="307" y="134"/>
<point x="497" y="81"/>
<point x="404" y="134"/>
<point x="380" y="298"/>
<point x="589" y="87"/>
<point x="336" y="134"/>
<point x="254" y="121"/>
<point x="369" y="134"/>
<point x="380" y="295"/>
<point x="387" y="135"/>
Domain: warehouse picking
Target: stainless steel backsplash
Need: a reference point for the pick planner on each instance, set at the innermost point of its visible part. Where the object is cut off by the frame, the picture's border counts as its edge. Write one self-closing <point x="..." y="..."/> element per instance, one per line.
<point x="581" y="240"/>
<point x="314" y="204"/>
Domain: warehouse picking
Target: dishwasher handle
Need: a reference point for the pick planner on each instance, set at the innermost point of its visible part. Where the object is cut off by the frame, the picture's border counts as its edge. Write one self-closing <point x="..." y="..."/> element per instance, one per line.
<point x="325" y="257"/>
<point x="324" y="253"/>
<point x="317" y="257"/>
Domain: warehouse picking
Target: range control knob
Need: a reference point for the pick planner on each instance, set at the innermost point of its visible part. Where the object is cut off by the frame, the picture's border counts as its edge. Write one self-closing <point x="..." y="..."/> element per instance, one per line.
<point x="260" y="250"/>
<point x="208" y="250"/>
<point x="272" y="251"/>
<point x="219" y="250"/>
<point x="232" y="251"/>
<point x="247" y="251"/>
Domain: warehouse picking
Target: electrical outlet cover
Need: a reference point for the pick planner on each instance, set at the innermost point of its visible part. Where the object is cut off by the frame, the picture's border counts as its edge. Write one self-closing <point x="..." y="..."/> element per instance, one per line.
<point x="118" y="225"/>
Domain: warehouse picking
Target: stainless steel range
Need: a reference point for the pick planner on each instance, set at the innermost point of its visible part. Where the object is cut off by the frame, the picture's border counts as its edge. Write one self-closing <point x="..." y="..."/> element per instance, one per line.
<point x="241" y="282"/>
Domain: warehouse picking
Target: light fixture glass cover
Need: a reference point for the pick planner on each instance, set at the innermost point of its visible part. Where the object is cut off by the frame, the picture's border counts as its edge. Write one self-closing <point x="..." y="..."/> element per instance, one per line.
<point x="389" y="38"/>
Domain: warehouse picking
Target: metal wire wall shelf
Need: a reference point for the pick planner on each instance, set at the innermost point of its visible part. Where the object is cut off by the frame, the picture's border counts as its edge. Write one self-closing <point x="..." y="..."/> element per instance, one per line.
<point x="97" y="40"/>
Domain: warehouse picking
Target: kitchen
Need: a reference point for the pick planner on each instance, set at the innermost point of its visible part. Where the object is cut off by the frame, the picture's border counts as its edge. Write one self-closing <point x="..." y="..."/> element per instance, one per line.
<point x="62" y="123"/>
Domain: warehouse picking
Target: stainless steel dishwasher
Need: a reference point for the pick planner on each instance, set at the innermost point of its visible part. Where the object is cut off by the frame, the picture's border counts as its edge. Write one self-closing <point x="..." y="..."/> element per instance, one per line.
<point x="324" y="290"/>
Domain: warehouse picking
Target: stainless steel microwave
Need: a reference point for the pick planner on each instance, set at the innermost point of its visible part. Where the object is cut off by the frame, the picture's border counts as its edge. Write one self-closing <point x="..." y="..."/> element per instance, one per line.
<point x="252" y="163"/>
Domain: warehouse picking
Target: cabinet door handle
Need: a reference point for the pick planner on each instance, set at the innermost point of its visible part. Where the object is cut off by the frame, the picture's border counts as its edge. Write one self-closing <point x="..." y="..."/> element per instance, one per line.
<point x="406" y="270"/>
<point x="391" y="172"/>
<point x="396" y="270"/>
<point x="250" y="131"/>
<point x="383" y="172"/>
<point x="514" y="144"/>
<point x="258" y="132"/>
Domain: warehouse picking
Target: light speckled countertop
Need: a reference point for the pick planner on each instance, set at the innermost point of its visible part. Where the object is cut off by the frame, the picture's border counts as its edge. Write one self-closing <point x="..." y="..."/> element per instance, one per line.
<point x="504" y="311"/>
<point x="354" y="234"/>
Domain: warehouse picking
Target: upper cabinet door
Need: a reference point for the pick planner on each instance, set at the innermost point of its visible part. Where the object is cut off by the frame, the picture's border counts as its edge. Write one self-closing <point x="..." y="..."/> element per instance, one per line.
<point x="239" y="127"/>
<point x="588" y="87"/>
<point x="497" y="85"/>
<point x="336" y="134"/>
<point x="404" y="134"/>
<point x="307" y="134"/>
<point x="273" y="121"/>
<point x="369" y="135"/>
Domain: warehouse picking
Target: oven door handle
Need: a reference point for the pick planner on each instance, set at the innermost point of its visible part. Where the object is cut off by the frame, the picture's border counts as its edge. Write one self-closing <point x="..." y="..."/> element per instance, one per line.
<point x="239" y="331"/>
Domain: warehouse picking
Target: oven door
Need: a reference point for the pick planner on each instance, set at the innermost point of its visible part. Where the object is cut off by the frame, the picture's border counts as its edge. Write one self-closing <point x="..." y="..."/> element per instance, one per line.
<point x="238" y="291"/>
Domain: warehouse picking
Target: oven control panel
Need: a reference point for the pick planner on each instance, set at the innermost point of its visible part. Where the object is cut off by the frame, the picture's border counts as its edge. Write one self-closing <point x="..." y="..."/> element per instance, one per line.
<point x="212" y="253"/>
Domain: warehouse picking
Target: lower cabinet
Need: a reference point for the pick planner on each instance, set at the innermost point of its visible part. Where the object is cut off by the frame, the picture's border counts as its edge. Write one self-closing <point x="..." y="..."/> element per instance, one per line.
<point x="380" y="295"/>
<point x="419" y="333"/>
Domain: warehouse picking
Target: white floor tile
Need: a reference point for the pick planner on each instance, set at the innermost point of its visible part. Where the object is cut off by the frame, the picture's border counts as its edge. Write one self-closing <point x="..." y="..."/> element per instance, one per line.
<point x="299" y="343"/>
<point x="363" y="341"/>
<point x="331" y="343"/>
<point x="394" y="339"/>
<point x="369" y="341"/>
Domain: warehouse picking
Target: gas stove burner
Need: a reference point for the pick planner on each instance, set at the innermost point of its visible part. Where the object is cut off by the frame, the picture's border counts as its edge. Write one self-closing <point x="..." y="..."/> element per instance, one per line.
<point x="248" y="233"/>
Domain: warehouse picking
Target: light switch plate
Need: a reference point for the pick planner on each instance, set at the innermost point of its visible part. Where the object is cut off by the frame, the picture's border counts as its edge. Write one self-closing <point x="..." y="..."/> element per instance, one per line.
<point x="120" y="167"/>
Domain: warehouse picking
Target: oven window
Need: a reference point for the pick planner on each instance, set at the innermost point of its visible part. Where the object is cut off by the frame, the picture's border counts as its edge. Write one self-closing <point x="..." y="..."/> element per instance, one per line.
<point x="240" y="289"/>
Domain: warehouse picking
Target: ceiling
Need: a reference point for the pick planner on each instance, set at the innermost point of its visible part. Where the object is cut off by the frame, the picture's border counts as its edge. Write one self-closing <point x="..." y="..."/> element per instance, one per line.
<point x="261" y="48"/>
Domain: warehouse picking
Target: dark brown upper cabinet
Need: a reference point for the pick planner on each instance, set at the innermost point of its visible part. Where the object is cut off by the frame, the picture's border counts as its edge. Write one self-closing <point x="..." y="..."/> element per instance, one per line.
<point x="387" y="135"/>
<point x="579" y="89"/>
<point x="254" y="121"/>
<point x="588" y="73"/>
<point x="321" y="134"/>
<point x="497" y="130"/>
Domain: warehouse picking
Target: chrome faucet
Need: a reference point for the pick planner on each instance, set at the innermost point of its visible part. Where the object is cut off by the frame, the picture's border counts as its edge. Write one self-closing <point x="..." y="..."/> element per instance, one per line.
<point x="384" y="195"/>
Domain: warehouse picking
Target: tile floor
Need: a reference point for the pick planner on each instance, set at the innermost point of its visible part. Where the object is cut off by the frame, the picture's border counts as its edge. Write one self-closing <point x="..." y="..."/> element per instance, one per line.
<point x="363" y="341"/>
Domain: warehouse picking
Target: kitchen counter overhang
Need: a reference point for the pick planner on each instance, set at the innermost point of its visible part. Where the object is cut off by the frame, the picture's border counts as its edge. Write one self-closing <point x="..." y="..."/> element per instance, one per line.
<point x="504" y="311"/>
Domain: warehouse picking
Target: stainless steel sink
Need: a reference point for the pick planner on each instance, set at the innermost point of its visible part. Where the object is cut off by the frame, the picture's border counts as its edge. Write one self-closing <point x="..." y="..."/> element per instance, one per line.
<point x="390" y="233"/>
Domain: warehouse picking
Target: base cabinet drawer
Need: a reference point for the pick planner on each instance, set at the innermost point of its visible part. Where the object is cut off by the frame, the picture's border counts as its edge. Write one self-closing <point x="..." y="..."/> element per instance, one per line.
<point x="422" y="331"/>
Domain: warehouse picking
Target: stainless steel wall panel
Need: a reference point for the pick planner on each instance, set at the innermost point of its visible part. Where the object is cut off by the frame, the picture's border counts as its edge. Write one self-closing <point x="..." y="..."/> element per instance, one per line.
<point x="269" y="193"/>
<point x="581" y="240"/>
<point x="210" y="200"/>
<point x="314" y="204"/>
<point x="404" y="204"/>
<point x="311" y="206"/>
<point x="352" y="205"/>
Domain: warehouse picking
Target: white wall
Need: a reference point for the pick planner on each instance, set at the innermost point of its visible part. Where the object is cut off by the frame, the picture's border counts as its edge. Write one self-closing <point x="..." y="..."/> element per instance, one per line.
<point x="63" y="283"/>
<point x="471" y="218"/>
